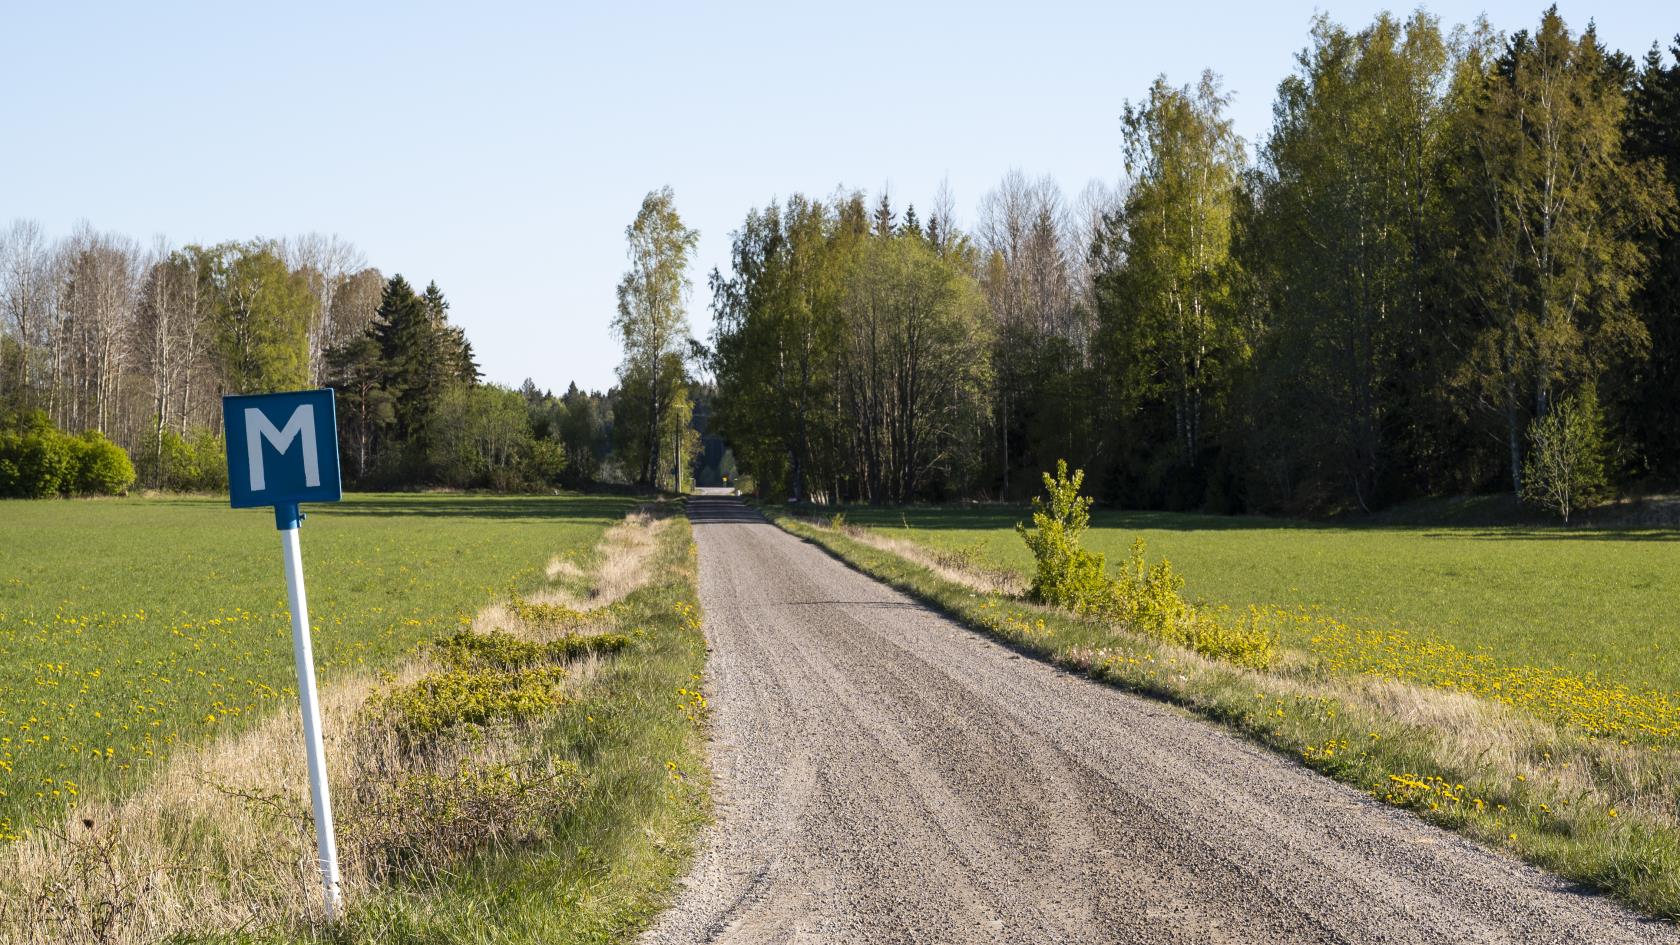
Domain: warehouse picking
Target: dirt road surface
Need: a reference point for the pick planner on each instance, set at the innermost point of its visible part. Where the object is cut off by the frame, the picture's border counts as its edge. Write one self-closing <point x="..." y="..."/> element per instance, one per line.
<point x="887" y="776"/>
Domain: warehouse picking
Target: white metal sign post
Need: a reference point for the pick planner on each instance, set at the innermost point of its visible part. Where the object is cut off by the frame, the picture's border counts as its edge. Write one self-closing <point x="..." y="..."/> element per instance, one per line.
<point x="282" y="449"/>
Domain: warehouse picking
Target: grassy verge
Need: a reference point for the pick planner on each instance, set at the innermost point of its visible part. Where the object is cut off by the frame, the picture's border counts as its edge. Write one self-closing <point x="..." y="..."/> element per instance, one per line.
<point x="534" y="775"/>
<point x="1590" y="600"/>
<point x="634" y="733"/>
<point x="1595" y="808"/>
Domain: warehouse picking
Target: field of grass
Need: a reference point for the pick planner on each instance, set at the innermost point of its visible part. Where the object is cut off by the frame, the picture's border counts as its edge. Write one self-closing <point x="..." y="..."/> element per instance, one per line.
<point x="1601" y="602"/>
<point x="128" y="627"/>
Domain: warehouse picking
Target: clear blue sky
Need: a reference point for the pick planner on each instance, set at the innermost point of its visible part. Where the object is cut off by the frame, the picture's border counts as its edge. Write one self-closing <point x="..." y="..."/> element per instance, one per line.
<point x="501" y="149"/>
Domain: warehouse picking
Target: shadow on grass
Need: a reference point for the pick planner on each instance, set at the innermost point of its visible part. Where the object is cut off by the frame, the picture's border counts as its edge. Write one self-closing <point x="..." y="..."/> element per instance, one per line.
<point x="500" y="507"/>
<point x="1560" y="533"/>
<point x="992" y="518"/>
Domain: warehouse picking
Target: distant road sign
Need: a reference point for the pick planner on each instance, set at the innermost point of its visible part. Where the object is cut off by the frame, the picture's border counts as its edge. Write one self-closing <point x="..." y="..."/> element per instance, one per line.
<point x="282" y="449"/>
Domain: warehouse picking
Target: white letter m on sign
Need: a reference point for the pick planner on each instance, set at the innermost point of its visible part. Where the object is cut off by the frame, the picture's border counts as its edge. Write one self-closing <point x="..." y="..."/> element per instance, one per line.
<point x="257" y="429"/>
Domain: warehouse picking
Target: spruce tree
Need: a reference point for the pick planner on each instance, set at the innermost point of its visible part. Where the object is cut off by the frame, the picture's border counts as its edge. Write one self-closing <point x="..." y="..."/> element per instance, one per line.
<point x="411" y="356"/>
<point x="1647" y="394"/>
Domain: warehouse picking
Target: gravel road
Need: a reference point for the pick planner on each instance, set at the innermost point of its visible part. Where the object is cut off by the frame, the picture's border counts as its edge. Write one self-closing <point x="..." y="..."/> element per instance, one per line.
<point x="886" y="776"/>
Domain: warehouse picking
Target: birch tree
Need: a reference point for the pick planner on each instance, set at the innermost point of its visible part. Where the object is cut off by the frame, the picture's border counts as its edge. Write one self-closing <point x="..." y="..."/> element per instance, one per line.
<point x="326" y="264"/>
<point x="1174" y="282"/>
<point x="1552" y="209"/>
<point x="652" y="320"/>
<point x="26" y="292"/>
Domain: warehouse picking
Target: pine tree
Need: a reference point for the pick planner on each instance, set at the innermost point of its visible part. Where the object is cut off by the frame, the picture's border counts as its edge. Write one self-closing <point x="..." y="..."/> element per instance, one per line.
<point x="885" y="220"/>
<point x="911" y="226"/>
<point x="456" y="350"/>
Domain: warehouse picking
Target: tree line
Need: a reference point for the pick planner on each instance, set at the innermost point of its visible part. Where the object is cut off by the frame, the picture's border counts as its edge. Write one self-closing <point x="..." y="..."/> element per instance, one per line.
<point x="1445" y="237"/>
<point x="135" y="346"/>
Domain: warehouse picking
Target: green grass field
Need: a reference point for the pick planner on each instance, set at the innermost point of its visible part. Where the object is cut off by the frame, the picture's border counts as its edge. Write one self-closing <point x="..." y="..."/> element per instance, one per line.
<point x="130" y="626"/>
<point x="1590" y="601"/>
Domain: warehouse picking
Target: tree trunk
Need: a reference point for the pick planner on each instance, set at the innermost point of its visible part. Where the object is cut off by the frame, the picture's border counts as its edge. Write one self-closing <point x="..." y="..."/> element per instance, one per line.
<point x="1513" y="432"/>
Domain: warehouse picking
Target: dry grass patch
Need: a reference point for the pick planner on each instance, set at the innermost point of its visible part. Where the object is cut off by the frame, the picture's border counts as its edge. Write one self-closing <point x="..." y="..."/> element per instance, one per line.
<point x="623" y="557"/>
<point x="559" y="567"/>
<point x="577" y="601"/>
<point x="958" y="567"/>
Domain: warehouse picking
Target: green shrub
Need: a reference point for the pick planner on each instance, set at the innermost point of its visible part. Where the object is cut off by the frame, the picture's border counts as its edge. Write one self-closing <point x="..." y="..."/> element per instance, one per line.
<point x="437" y="702"/>
<point x="38" y="461"/>
<point x="210" y="474"/>
<point x="35" y="465"/>
<point x="1149" y="599"/>
<point x="543" y="463"/>
<point x="179" y="464"/>
<point x="1145" y="599"/>
<point x="101" y="467"/>
<point x="547" y="616"/>
<point x="1250" y="639"/>
<point x="501" y="650"/>
<point x="1564" y="470"/>
<point x="1067" y="575"/>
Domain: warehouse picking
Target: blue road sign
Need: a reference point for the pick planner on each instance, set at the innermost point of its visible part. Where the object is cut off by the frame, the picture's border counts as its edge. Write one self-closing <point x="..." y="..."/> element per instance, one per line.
<point x="282" y="449"/>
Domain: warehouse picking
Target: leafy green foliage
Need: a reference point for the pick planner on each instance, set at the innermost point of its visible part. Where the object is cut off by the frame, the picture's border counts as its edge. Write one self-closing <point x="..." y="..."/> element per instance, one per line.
<point x="1643" y="402"/>
<point x="38" y="461"/>
<point x="1066" y="575"/>
<point x="548" y="617"/>
<point x="261" y="318"/>
<point x="1565" y="467"/>
<point x="101" y="467"/>
<point x="1552" y="201"/>
<point x="1167" y="304"/>
<point x="1358" y="125"/>
<point x="1149" y="599"/>
<point x="1372" y="308"/>
<point x="179" y="464"/>
<point x="438" y="702"/>
<point x="851" y="360"/>
<point x="652" y="324"/>
<point x="1144" y="598"/>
